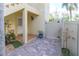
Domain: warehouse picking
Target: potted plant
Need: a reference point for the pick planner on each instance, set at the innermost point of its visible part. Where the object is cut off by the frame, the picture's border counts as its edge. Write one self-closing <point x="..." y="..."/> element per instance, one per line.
<point x="40" y="34"/>
<point x="66" y="52"/>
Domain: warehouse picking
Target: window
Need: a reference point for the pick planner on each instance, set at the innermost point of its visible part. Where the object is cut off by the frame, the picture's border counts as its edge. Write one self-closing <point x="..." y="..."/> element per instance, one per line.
<point x="20" y="21"/>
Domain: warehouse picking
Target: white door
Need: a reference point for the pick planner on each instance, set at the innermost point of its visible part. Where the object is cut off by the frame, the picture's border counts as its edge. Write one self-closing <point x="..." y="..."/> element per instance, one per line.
<point x="20" y="27"/>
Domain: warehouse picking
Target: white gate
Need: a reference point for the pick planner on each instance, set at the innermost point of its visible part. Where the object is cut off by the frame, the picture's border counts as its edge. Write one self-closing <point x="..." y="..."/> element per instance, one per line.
<point x="70" y="37"/>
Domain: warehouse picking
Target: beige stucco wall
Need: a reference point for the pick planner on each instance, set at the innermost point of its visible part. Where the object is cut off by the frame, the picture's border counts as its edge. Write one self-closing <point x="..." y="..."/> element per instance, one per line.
<point x="30" y="22"/>
<point x="39" y="22"/>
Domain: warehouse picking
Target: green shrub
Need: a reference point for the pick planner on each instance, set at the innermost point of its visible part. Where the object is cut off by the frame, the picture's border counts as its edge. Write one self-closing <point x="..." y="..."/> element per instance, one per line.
<point x="10" y="38"/>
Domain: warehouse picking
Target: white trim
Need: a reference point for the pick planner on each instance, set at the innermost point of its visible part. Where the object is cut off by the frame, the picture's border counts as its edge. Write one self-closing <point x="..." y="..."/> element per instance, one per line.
<point x="12" y="9"/>
<point x="33" y="10"/>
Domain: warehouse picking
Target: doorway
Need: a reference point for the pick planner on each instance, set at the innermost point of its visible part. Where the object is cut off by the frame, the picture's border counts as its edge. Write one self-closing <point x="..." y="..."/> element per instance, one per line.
<point x="31" y="18"/>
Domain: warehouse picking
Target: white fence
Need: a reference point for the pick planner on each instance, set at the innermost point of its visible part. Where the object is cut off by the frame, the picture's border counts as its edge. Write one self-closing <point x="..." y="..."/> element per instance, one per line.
<point x="67" y="31"/>
<point x="53" y="29"/>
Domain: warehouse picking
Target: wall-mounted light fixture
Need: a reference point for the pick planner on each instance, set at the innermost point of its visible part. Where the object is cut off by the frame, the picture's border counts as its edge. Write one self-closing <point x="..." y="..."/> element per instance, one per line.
<point x="32" y="17"/>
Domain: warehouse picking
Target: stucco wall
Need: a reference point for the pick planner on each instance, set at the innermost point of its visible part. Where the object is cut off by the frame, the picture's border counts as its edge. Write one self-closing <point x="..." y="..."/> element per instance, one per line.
<point x="39" y="22"/>
<point x="53" y="30"/>
<point x="30" y="18"/>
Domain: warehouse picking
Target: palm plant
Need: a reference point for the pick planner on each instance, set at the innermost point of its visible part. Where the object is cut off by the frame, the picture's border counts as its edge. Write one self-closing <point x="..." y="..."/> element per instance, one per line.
<point x="65" y="17"/>
<point x="70" y="7"/>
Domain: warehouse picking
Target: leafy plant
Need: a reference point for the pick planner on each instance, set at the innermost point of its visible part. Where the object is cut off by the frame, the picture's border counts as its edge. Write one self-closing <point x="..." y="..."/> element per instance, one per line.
<point x="11" y="39"/>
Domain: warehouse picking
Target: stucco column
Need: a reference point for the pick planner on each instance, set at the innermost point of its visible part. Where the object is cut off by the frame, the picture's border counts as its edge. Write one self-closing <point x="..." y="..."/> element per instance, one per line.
<point x="46" y="14"/>
<point x="25" y="25"/>
<point x="2" y="39"/>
